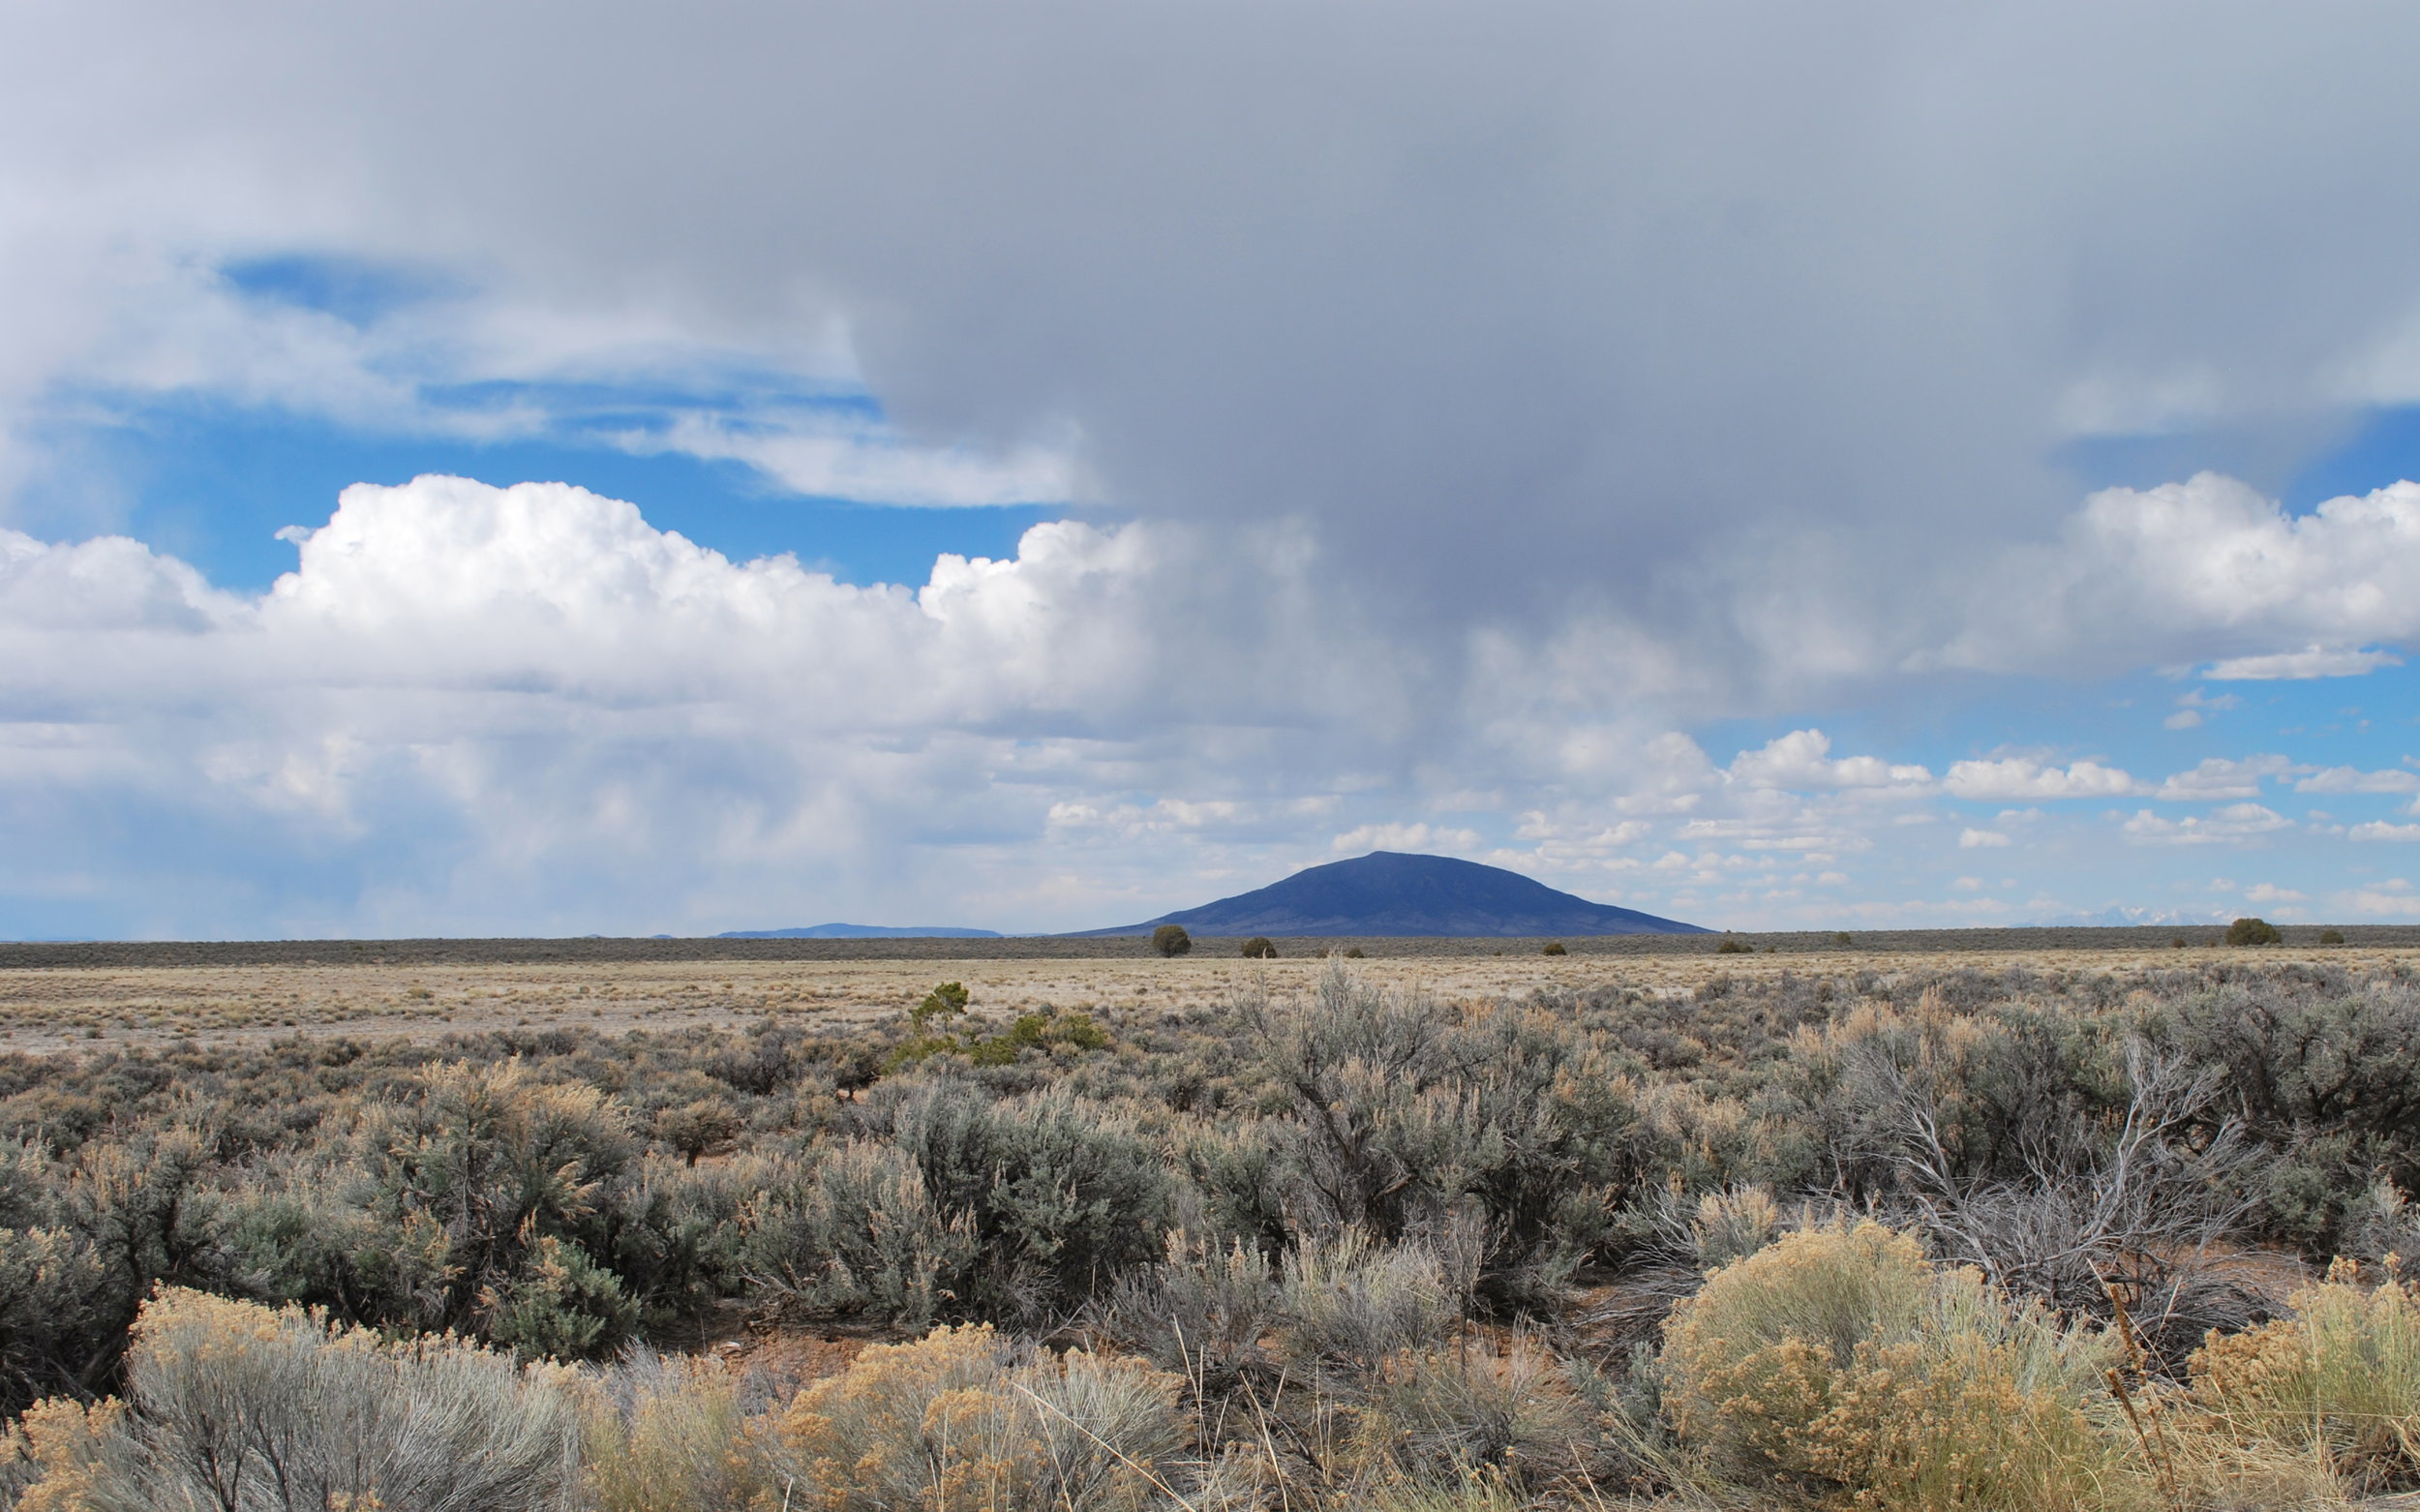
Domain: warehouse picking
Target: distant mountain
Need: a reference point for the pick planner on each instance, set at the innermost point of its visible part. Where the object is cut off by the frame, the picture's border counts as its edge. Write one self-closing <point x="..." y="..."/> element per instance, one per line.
<point x="1387" y="893"/>
<point x="2130" y="919"/>
<point x="863" y="932"/>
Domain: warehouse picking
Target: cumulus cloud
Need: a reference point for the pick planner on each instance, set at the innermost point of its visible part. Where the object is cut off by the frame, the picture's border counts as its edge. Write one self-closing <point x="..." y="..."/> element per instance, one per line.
<point x="2352" y="779"/>
<point x="2381" y="830"/>
<point x="2232" y="825"/>
<point x="1402" y="837"/>
<point x="2217" y="777"/>
<point x="502" y="684"/>
<point x="2393" y="898"/>
<point x="2210" y="562"/>
<point x="1802" y="760"/>
<point x="2022" y="777"/>
<point x="1980" y="839"/>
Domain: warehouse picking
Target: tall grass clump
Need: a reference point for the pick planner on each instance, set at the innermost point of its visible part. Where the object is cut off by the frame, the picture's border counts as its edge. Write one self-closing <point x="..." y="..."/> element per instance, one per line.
<point x="1476" y="1409"/>
<point x="1840" y="1364"/>
<point x="1201" y="1311"/>
<point x="1348" y="1302"/>
<point x="230" y="1405"/>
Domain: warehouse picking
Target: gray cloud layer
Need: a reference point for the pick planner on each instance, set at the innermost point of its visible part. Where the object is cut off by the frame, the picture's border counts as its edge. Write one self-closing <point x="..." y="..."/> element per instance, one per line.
<point x="1535" y="308"/>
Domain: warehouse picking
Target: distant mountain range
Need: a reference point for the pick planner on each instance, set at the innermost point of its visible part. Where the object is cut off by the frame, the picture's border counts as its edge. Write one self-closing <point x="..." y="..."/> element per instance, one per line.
<point x="863" y="932"/>
<point x="2131" y="918"/>
<point x="1387" y="893"/>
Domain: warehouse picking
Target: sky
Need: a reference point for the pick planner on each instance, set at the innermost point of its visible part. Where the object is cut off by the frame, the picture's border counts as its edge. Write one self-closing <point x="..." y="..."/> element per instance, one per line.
<point x="529" y="469"/>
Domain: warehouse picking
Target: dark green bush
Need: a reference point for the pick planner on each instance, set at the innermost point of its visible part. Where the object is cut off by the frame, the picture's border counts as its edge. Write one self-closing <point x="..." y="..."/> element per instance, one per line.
<point x="1404" y="1111"/>
<point x="861" y="1236"/>
<point x="1733" y="945"/>
<point x="1047" y="1029"/>
<point x="1058" y="1199"/>
<point x="469" y="1177"/>
<point x="560" y="1304"/>
<point x="1172" y="940"/>
<point x="1258" y="949"/>
<point x="2331" y="937"/>
<point x="2252" y="932"/>
<point x="1554" y="947"/>
<point x="2325" y="1071"/>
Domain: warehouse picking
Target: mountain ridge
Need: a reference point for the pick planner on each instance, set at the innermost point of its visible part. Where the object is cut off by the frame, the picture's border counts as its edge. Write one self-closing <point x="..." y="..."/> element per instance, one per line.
<point x="1396" y="894"/>
<point x="863" y="932"/>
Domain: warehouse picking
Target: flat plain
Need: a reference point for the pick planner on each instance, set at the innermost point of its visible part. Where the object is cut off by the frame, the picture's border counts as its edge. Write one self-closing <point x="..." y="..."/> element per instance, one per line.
<point x="1390" y="1240"/>
<point x="68" y="996"/>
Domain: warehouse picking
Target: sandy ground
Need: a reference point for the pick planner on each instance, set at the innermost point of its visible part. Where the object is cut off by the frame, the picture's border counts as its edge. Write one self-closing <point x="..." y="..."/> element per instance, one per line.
<point x="53" y="1008"/>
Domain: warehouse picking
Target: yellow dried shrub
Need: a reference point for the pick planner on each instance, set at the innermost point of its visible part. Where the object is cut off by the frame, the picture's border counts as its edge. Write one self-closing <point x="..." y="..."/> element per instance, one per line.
<point x="1843" y="1365"/>
<point x="949" y="1423"/>
<point x="66" y="1441"/>
<point x="2338" y="1379"/>
<point x="226" y="1398"/>
<point x="666" y="1435"/>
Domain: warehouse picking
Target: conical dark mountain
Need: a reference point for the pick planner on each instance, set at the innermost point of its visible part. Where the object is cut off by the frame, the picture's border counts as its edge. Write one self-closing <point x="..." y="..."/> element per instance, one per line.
<point x="1387" y="893"/>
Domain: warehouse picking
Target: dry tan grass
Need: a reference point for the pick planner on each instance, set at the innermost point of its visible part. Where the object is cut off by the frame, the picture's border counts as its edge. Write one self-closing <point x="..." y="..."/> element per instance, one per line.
<point x="58" y="1007"/>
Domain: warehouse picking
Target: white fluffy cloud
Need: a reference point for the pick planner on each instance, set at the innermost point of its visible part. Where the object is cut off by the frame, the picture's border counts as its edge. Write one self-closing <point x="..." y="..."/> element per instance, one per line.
<point x="1802" y="760"/>
<point x="2232" y="825"/>
<point x="502" y="687"/>
<point x="2352" y="779"/>
<point x="2218" y="777"/>
<point x="2210" y="564"/>
<point x="2022" y="777"/>
<point x="1404" y="837"/>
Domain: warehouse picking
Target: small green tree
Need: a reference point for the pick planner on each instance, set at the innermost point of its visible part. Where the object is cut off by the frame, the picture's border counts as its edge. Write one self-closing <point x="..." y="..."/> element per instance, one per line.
<point x="2252" y="932"/>
<point x="1733" y="945"/>
<point x="1258" y="949"/>
<point x="1172" y="940"/>
<point x="943" y="1002"/>
<point x="2331" y="937"/>
<point x="1554" y="947"/>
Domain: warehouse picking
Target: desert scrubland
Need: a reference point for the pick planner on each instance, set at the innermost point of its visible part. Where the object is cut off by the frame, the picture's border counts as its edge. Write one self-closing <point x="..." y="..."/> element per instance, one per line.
<point x="1912" y="1222"/>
